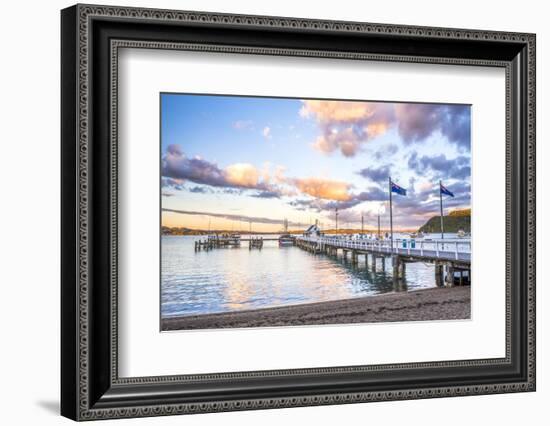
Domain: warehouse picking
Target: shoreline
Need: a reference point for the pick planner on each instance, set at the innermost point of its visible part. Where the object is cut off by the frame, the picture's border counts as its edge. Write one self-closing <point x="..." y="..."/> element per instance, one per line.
<point x="440" y="303"/>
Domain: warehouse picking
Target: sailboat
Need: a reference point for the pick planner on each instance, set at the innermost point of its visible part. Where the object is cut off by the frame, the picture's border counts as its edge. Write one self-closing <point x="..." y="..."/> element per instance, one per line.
<point x="462" y="234"/>
<point x="285" y="239"/>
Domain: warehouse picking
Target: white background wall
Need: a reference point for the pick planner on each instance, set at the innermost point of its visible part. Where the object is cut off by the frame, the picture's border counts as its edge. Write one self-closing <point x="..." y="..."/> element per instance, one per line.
<point x="29" y="211"/>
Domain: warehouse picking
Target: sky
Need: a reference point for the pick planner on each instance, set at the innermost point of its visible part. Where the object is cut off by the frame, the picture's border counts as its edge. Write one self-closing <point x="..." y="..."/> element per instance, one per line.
<point x="240" y="163"/>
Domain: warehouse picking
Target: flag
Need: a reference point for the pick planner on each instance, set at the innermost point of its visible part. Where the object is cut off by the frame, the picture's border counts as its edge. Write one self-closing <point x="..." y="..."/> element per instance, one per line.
<point x="397" y="189"/>
<point x="444" y="190"/>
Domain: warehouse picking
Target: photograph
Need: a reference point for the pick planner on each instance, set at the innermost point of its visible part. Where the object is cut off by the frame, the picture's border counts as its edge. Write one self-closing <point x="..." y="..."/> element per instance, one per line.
<point x="282" y="211"/>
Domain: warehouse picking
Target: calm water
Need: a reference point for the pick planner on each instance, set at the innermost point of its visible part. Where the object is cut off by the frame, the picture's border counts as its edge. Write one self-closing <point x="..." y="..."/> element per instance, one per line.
<point x="231" y="279"/>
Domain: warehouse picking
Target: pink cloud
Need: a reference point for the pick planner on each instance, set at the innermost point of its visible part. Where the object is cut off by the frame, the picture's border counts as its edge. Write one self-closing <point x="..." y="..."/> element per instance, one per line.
<point x="323" y="188"/>
<point x="347" y="125"/>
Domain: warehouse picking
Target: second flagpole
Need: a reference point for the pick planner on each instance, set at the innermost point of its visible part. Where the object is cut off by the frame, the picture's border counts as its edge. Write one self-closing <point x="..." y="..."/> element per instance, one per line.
<point x="441" y="209"/>
<point x="391" y="215"/>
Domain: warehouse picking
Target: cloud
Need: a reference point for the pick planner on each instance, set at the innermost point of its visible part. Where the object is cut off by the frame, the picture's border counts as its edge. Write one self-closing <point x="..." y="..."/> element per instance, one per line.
<point x="266" y="132"/>
<point x="371" y="194"/>
<point x="172" y="183"/>
<point x="421" y="203"/>
<point x="443" y="168"/>
<point x="375" y="174"/>
<point x="265" y="172"/>
<point x="200" y="190"/>
<point x="456" y="126"/>
<point x="322" y="188"/>
<point x="319" y="205"/>
<point x="304" y="204"/>
<point x="347" y="125"/>
<point x="317" y="193"/>
<point x="229" y="216"/>
<point x="426" y="186"/>
<point x="232" y="191"/>
<point x="416" y="122"/>
<point x="178" y="167"/>
<point x="266" y="194"/>
<point x="387" y="151"/>
<point x="339" y="111"/>
<point x="460" y="189"/>
<point x="347" y="140"/>
<point x="242" y="175"/>
<point x="279" y="174"/>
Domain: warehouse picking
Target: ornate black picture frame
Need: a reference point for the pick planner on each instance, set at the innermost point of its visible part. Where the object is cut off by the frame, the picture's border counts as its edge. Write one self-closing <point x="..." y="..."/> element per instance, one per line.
<point x="91" y="36"/>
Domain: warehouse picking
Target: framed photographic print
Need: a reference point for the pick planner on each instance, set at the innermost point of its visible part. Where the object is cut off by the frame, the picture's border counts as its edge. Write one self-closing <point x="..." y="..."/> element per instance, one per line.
<point x="263" y="212"/>
<point x="324" y="167"/>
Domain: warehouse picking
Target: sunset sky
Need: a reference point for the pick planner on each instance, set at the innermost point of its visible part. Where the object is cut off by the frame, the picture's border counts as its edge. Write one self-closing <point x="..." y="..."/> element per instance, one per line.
<point x="228" y="161"/>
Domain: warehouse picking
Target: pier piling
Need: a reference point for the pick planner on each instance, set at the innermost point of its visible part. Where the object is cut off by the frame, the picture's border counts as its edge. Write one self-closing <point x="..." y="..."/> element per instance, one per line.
<point x="438" y="274"/>
<point x="450" y="278"/>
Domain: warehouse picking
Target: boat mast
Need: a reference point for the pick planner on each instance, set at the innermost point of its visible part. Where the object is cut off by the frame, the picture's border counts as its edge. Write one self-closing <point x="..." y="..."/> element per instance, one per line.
<point x="391" y="215"/>
<point x="441" y="209"/>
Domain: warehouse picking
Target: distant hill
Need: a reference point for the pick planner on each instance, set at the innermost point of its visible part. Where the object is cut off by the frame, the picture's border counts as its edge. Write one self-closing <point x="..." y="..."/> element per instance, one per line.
<point x="166" y="230"/>
<point x="461" y="213"/>
<point x="456" y="220"/>
<point x="181" y="231"/>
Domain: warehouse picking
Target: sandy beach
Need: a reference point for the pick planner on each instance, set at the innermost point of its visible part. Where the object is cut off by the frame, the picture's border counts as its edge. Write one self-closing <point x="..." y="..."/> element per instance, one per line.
<point x="421" y="305"/>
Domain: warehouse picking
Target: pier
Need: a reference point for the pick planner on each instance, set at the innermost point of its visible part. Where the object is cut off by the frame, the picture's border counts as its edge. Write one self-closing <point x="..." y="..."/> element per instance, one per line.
<point x="255" y="243"/>
<point x="451" y="258"/>
<point x="230" y="241"/>
<point x="218" y="241"/>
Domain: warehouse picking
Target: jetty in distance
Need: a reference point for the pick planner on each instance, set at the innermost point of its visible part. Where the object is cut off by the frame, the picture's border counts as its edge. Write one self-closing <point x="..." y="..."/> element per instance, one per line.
<point x="225" y="239"/>
<point x="230" y="240"/>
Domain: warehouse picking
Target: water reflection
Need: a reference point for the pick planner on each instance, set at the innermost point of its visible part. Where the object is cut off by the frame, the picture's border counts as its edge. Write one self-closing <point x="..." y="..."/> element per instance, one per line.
<point x="223" y="280"/>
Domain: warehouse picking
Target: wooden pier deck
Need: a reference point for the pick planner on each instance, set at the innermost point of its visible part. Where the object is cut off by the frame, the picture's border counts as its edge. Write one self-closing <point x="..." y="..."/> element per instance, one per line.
<point x="450" y="257"/>
<point x="455" y="250"/>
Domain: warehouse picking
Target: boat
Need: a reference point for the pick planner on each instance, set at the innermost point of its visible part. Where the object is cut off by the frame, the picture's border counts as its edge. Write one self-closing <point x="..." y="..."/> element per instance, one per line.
<point x="286" y="240"/>
<point x="462" y="234"/>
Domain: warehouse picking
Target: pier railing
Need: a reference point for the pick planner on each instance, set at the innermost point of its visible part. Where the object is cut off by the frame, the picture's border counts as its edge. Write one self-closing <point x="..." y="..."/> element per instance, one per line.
<point x="451" y="249"/>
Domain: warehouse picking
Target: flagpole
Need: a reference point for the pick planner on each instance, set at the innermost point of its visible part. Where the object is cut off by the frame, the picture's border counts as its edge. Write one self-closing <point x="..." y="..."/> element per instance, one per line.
<point x="391" y="215"/>
<point x="441" y="209"/>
